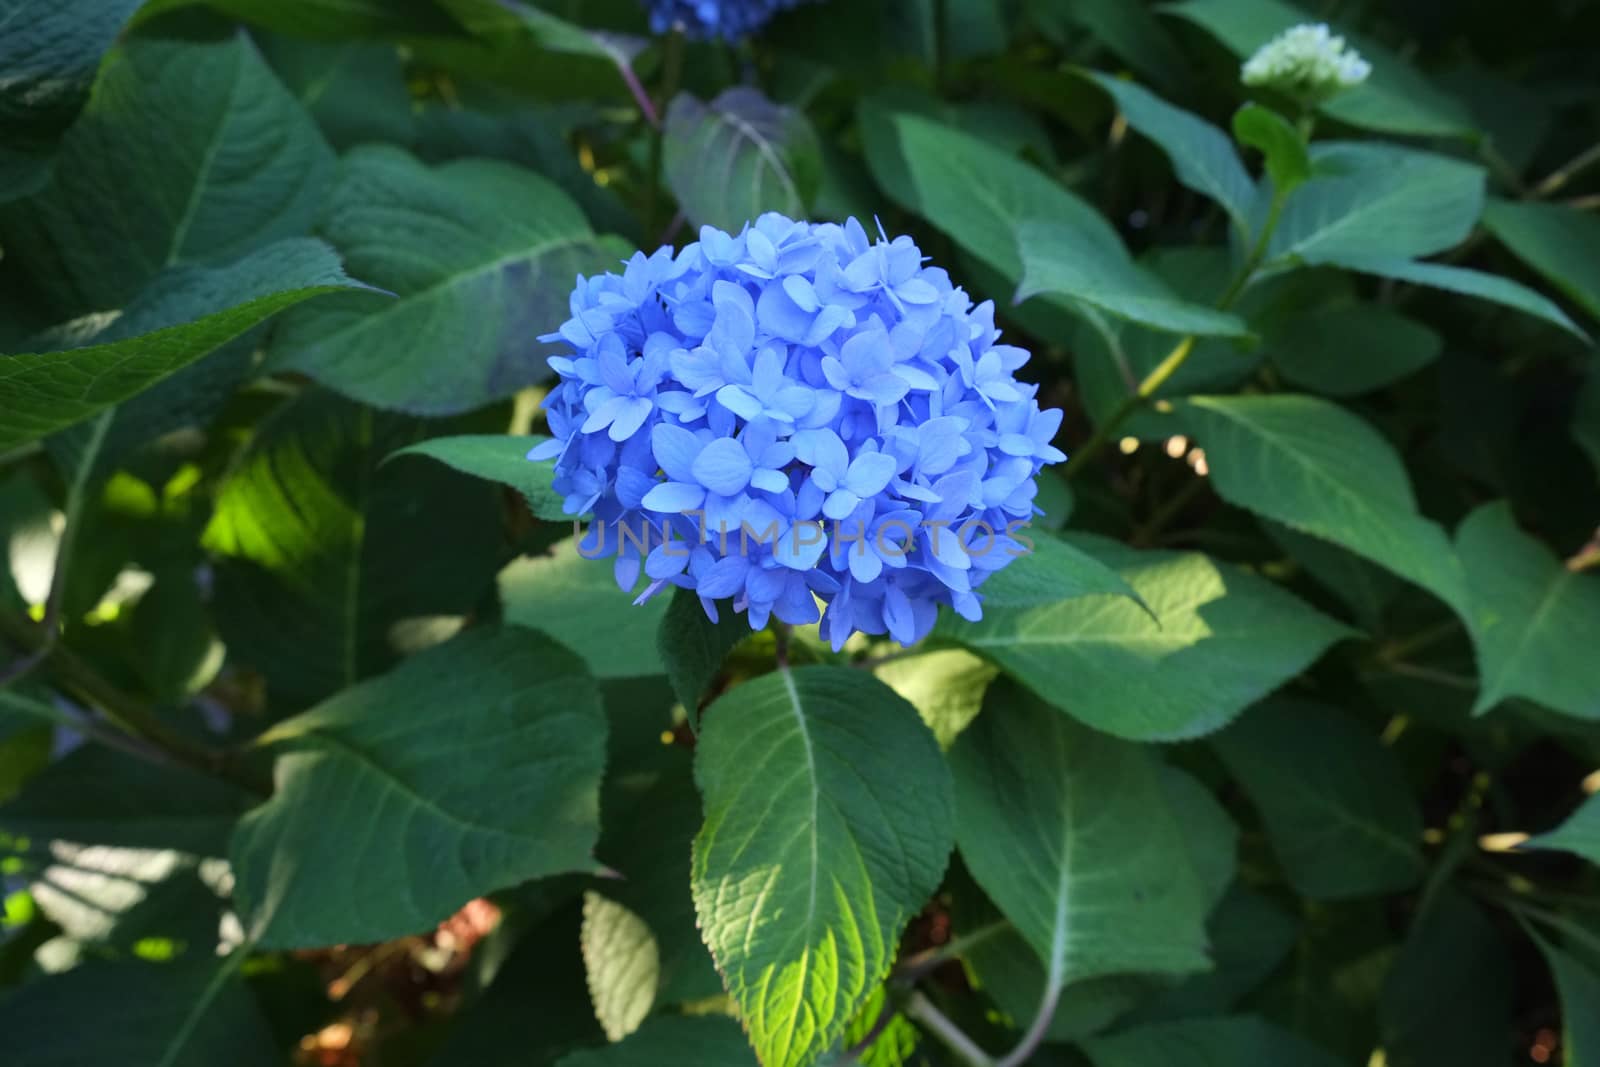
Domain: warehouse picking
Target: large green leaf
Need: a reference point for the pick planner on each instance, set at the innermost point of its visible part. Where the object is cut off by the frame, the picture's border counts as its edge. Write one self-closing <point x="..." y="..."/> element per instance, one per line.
<point x="828" y="824"/>
<point x="1202" y="156"/>
<point x="1467" y="282"/>
<point x="324" y="554"/>
<point x="1319" y="469"/>
<point x="237" y="165"/>
<point x="970" y="189"/>
<point x="49" y="51"/>
<point x="1061" y="261"/>
<point x="1394" y="99"/>
<point x="1350" y="348"/>
<point x="498" y="458"/>
<point x="1558" y="242"/>
<point x="471" y="767"/>
<point x="1533" y="621"/>
<point x="191" y="1013"/>
<point x="1213" y="641"/>
<point x="674" y="1041"/>
<point x="578" y="598"/>
<point x="186" y="315"/>
<point x="1224" y="1042"/>
<point x="481" y="255"/>
<point x="1052" y="570"/>
<point x="1370" y="200"/>
<point x="1073" y="836"/>
<point x="1336" y="804"/>
<point x="740" y="155"/>
<point x="945" y="685"/>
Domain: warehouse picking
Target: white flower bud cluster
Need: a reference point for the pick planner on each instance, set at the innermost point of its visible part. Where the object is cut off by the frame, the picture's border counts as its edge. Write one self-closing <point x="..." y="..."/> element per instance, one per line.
<point x="1307" y="61"/>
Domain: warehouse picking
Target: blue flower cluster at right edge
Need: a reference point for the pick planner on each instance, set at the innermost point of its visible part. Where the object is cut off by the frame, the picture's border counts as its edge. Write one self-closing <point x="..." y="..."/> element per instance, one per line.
<point x="809" y="384"/>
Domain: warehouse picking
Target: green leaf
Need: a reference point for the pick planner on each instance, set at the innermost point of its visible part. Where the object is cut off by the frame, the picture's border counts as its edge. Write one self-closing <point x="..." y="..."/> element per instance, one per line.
<point x="1558" y="242"/>
<point x="579" y="597"/>
<point x="693" y="647"/>
<point x="1202" y="156"/>
<point x="729" y="161"/>
<point x="622" y="963"/>
<point x="828" y="824"/>
<point x="978" y="194"/>
<point x="1279" y="143"/>
<point x="471" y="767"/>
<point x="191" y="395"/>
<point x="1368" y="201"/>
<point x="1365" y="587"/>
<point x="1062" y="261"/>
<point x="1394" y="99"/>
<point x="48" y="391"/>
<point x="1250" y="937"/>
<point x="1073" y="836"/>
<point x="1533" y="621"/>
<point x="193" y="1013"/>
<point x="1448" y="997"/>
<point x="1348" y="349"/>
<point x="238" y="165"/>
<point x="946" y="686"/>
<point x="1213" y="641"/>
<point x="674" y="1041"/>
<point x="1050" y="570"/>
<point x="1224" y="1042"/>
<point x="1318" y="469"/>
<point x="49" y="52"/>
<point x="1336" y="804"/>
<point x="498" y="458"/>
<point x="481" y="255"/>
<point x="323" y="555"/>
<point x="1476" y="283"/>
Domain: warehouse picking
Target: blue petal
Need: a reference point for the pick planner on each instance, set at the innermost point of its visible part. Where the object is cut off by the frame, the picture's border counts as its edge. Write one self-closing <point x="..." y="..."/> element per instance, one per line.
<point x="723" y="466"/>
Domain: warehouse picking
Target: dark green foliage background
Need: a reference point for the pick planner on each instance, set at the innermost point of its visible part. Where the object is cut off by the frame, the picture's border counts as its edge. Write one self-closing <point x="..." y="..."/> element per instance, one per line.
<point x="1280" y="749"/>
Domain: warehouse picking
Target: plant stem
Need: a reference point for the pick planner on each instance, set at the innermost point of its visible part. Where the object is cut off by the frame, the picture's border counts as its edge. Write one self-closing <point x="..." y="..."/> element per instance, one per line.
<point x="1567" y="171"/>
<point x="83" y="681"/>
<point x="1180" y="352"/>
<point x="913" y="967"/>
<point x="780" y="633"/>
<point x="1041" y="1026"/>
<point x="921" y="1009"/>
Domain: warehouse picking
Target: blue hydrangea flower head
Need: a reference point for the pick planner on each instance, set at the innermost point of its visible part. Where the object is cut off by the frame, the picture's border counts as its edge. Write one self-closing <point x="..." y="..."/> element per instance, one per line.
<point x="792" y="414"/>
<point x="706" y="19"/>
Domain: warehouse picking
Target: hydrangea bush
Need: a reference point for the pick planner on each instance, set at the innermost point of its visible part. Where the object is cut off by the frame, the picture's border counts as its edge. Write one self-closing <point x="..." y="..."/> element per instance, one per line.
<point x="1043" y="534"/>
<point x="793" y="413"/>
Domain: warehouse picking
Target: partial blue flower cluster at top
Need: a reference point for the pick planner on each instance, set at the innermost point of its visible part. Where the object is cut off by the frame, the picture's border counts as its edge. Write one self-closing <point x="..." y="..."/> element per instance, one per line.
<point x="804" y="380"/>
<point x="705" y="19"/>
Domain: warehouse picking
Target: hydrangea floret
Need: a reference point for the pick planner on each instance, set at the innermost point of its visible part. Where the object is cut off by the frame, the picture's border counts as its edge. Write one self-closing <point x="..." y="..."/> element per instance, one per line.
<point x="1308" y="62"/>
<point x="797" y="413"/>
<point x="707" y="19"/>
